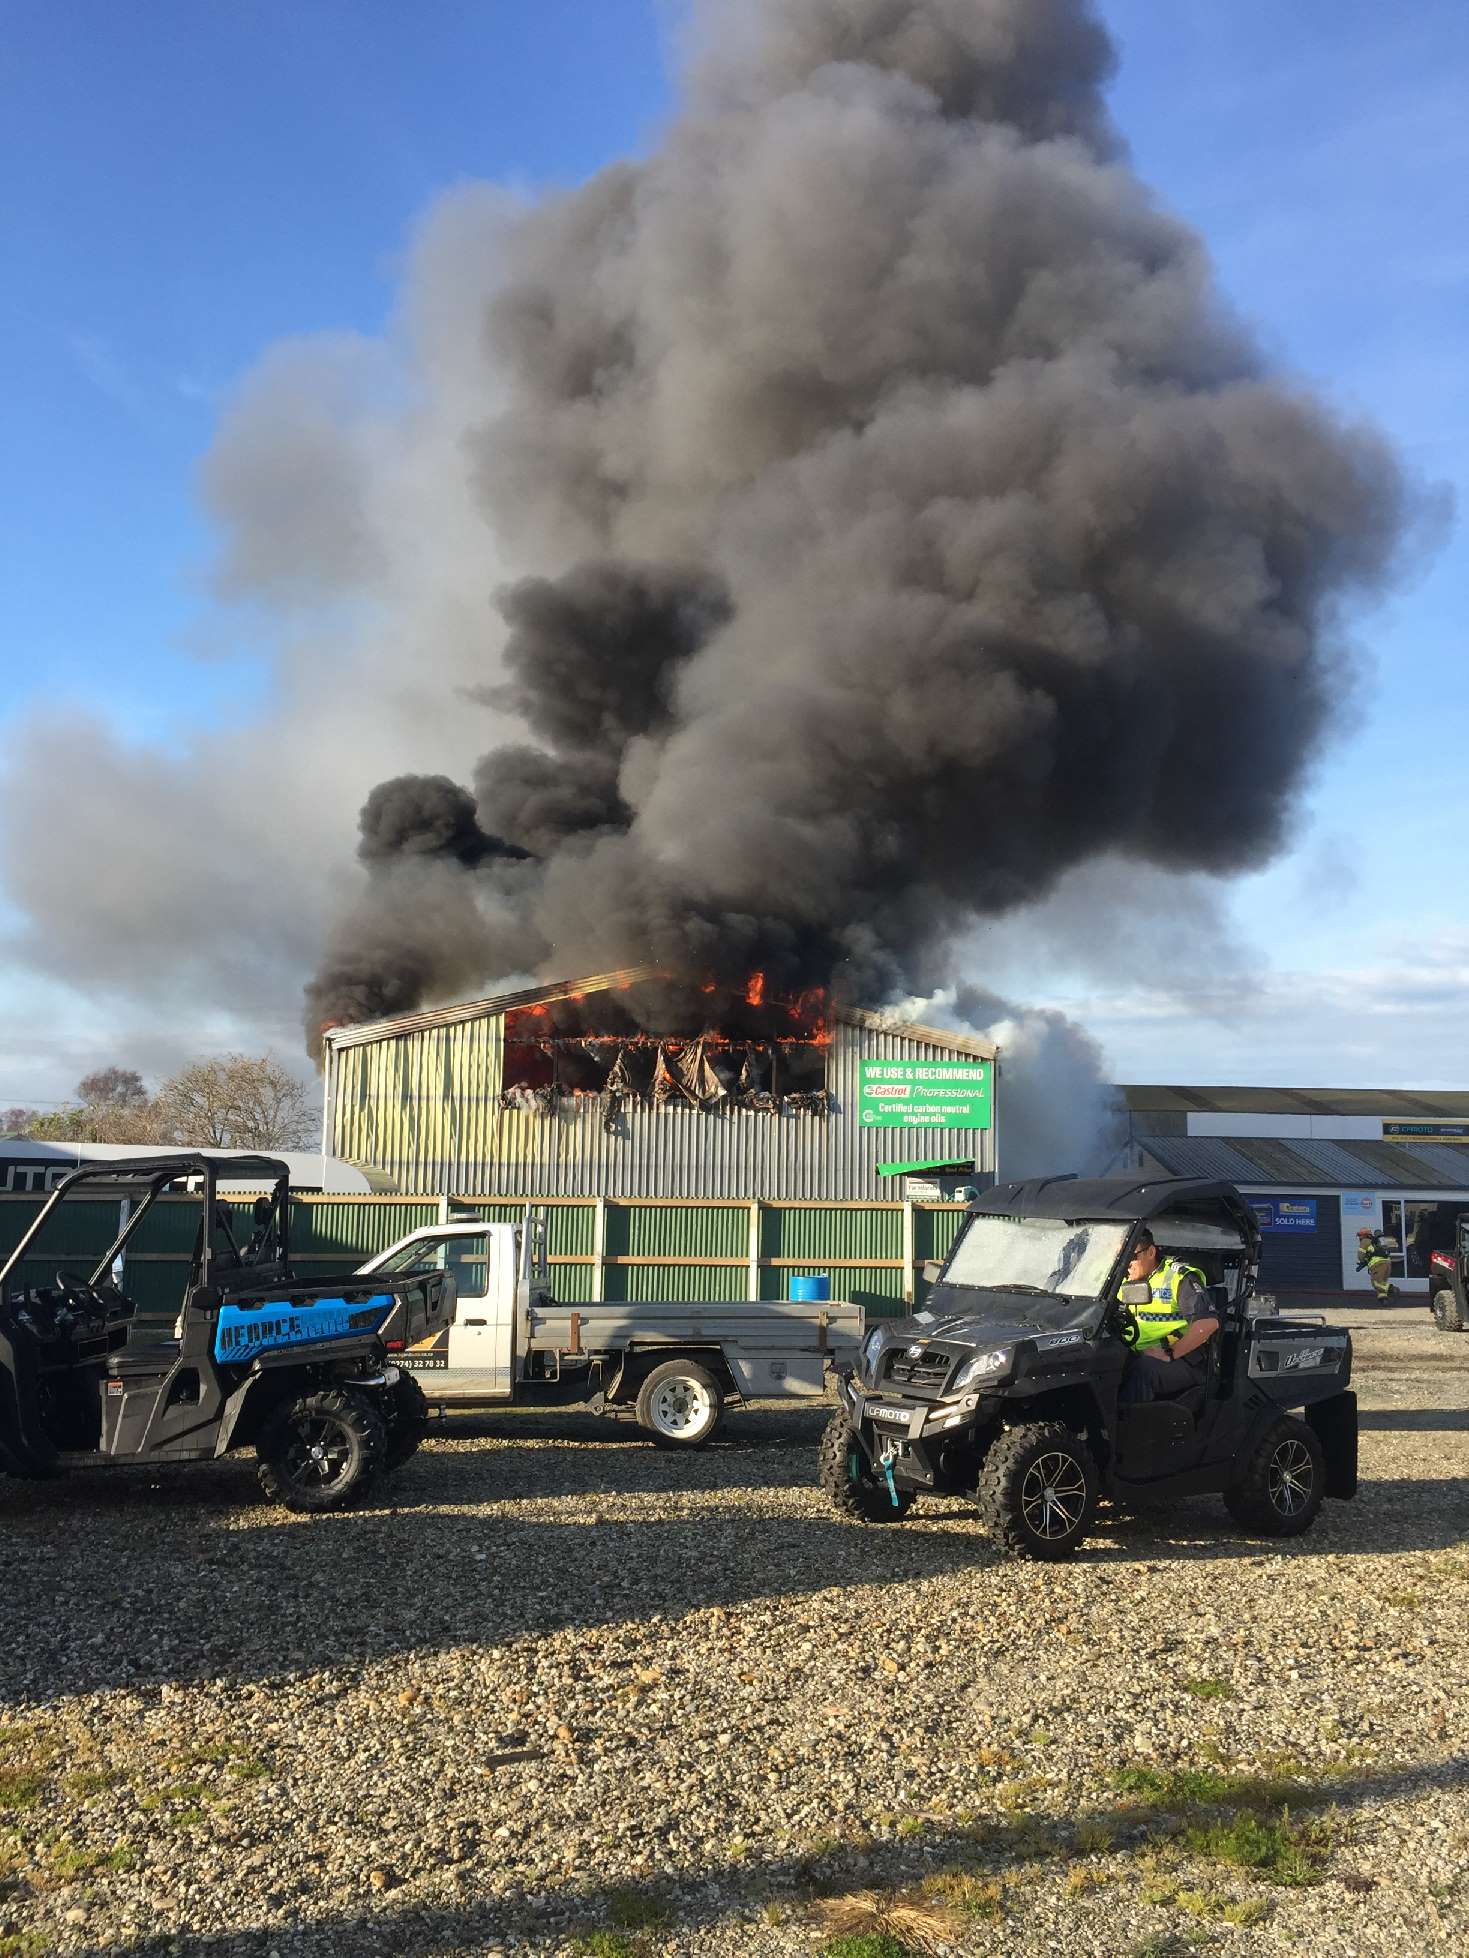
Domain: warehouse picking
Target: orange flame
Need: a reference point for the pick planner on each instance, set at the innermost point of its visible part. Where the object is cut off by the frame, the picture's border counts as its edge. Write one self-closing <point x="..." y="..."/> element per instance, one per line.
<point x="755" y="991"/>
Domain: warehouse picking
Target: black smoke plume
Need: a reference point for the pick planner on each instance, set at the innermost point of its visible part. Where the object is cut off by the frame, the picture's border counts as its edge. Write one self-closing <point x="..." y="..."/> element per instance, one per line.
<point x="911" y="522"/>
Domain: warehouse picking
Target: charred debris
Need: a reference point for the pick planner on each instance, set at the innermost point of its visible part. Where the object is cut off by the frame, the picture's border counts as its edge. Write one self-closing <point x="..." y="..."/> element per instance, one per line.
<point x="661" y="1045"/>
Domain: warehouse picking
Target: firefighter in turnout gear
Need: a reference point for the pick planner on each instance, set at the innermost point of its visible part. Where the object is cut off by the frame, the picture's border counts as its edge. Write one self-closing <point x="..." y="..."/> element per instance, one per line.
<point x="1168" y="1358"/>
<point x="1374" y="1259"/>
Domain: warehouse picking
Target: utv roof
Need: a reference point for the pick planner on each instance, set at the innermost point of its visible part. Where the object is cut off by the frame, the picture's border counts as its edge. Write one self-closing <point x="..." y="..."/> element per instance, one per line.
<point x="181" y="1162"/>
<point x="1122" y="1197"/>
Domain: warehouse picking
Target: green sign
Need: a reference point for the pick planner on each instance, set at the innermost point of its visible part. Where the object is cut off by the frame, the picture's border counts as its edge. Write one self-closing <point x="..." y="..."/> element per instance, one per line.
<point x="935" y="1094"/>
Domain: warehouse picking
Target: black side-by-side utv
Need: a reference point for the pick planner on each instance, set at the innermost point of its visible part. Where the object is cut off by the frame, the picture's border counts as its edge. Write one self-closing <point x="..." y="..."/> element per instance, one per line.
<point x="1006" y="1387"/>
<point x="300" y="1371"/>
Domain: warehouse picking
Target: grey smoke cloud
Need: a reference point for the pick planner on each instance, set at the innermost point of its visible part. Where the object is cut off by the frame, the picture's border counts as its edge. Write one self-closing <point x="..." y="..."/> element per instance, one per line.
<point x="912" y="528"/>
<point x="1013" y="554"/>
<point x="1059" y="1112"/>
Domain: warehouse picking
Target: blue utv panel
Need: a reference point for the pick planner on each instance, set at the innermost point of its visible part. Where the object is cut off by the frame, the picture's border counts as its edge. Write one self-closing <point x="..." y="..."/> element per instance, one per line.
<point x="244" y="1332"/>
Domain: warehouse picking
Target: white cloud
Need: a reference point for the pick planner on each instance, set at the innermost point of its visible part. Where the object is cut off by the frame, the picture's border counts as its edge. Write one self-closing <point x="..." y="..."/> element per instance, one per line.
<point x="1398" y="1020"/>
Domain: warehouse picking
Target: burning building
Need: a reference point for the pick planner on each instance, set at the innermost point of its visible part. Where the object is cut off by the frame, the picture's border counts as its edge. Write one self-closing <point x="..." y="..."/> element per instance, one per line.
<point x="632" y="1086"/>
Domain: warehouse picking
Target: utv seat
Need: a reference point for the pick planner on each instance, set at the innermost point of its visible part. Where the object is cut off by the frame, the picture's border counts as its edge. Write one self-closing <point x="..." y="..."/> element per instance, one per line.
<point x="145" y="1356"/>
<point x="1193" y="1400"/>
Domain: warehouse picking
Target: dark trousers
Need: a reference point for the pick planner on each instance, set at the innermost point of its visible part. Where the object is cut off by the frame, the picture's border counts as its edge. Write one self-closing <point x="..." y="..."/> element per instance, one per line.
<point x="1149" y="1377"/>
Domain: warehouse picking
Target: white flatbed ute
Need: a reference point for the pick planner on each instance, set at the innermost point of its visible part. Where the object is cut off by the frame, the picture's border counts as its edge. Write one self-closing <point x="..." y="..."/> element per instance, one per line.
<point x="674" y="1365"/>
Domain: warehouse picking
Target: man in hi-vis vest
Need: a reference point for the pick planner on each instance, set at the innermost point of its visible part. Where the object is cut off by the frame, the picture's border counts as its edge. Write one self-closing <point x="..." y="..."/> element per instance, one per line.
<point x="1172" y="1331"/>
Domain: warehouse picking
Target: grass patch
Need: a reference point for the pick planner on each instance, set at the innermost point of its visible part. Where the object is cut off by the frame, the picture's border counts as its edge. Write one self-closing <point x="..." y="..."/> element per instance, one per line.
<point x="1184" y="1789"/>
<point x="1096" y="1837"/>
<point x="20" y="1788"/>
<point x="1275" y="1847"/>
<point x="1213" y="1906"/>
<point x="911" y="1825"/>
<point x="610" y="1944"/>
<point x="637" y="1910"/>
<point x="971" y="1896"/>
<point x="247" y="1767"/>
<point x="24" y="1944"/>
<point x="864" y="1944"/>
<point x="1209" y="1689"/>
<point x="94" y="1781"/>
<point x="1016" y="1796"/>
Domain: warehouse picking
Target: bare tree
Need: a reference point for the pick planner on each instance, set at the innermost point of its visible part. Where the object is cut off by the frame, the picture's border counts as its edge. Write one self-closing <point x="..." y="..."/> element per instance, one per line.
<point x="112" y="1087"/>
<point x="238" y="1101"/>
<point x="17" y="1121"/>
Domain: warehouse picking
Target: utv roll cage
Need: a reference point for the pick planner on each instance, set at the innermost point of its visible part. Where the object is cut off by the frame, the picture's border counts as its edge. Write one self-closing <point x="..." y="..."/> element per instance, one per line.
<point x="152" y="1176"/>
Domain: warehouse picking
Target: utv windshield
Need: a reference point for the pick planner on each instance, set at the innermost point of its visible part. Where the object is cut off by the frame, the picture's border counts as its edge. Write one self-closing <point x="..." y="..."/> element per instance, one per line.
<point x="1036" y="1254"/>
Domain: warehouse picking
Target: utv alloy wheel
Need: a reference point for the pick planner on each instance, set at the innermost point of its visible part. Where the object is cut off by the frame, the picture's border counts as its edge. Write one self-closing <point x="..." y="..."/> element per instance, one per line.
<point x="1283" y="1483"/>
<point x="853" y="1487"/>
<point x="1053" y="1496"/>
<point x="321" y="1452"/>
<point x="1037" y="1491"/>
<point x="1291" y="1479"/>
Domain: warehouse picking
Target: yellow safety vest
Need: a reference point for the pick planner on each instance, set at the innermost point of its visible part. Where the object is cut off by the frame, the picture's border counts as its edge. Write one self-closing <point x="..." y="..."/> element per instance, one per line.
<point x="1161" y="1321"/>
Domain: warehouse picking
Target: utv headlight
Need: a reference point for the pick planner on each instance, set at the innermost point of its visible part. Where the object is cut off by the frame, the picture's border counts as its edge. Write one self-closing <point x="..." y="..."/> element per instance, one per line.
<point x="871" y="1347"/>
<point x="984" y="1366"/>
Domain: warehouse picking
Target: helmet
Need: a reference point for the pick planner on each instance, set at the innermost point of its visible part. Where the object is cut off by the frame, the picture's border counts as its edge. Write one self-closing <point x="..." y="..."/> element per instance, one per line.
<point x="1364" y="1232"/>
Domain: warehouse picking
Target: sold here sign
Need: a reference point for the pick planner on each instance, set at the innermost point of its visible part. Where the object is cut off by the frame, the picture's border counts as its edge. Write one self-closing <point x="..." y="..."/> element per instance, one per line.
<point x="934" y="1094"/>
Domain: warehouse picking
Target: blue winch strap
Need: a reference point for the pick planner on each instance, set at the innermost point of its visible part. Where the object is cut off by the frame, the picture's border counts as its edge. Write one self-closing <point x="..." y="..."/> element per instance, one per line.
<point x="887" y="1469"/>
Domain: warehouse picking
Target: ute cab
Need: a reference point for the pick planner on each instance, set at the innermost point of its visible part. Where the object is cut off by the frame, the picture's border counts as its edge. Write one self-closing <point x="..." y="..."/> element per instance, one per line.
<point x="1008" y="1384"/>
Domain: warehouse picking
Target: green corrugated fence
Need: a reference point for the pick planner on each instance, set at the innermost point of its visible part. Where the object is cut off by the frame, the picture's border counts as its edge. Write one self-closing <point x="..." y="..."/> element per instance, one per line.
<point x="610" y="1248"/>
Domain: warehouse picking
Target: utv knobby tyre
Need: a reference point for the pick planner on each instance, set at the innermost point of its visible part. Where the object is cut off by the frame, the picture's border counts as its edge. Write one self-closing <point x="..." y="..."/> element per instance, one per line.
<point x="680" y="1405"/>
<point x="1448" y="1314"/>
<point x="847" y="1476"/>
<point x="1037" y="1491"/>
<point x="1282" y="1485"/>
<point x="322" y="1451"/>
<point x="405" y="1416"/>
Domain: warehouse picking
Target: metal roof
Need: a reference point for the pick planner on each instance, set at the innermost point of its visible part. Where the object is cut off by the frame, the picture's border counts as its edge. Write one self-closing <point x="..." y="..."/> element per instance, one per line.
<point x="1312" y="1165"/>
<point x="369" y="1031"/>
<point x="1075" y="1198"/>
<point x="1406" y="1104"/>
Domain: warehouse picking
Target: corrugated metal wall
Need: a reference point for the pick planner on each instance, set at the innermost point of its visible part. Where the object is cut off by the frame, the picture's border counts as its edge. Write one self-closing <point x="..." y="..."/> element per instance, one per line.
<point x="424" y="1107"/>
<point x="620" y="1249"/>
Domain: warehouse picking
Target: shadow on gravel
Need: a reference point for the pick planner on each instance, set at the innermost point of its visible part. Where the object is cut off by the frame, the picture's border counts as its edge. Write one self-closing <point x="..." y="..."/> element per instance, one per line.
<point x="139" y="1582"/>
<point x="696" y="1898"/>
<point x="1413" y="1420"/>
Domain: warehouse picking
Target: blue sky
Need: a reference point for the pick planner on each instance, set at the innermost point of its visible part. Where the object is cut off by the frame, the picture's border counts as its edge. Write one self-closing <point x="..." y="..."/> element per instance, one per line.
<point x="188" y="186"/>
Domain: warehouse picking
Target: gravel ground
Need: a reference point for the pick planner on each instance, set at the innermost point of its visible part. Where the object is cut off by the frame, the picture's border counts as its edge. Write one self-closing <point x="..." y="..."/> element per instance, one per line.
<point x="569" y="1694"/>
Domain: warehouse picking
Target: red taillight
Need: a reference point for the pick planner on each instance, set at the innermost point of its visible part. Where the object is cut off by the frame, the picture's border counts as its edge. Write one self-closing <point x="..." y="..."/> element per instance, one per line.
<point x="395" y="1345"/>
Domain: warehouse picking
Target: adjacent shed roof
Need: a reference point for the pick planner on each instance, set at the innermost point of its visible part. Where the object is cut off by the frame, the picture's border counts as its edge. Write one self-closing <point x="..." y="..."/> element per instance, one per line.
<point x="1312" y="1165"/>
<point x="1406" y="1104"/>
<point x="370" y="1031"/>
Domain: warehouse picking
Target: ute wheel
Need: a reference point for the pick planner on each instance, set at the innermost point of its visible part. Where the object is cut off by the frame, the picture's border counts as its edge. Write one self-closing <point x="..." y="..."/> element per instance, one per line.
<point x="680" y="1405"/>
<point x="1448" y="1314"/>
<point x="405" y="1416"/>
<point x="849" y="1481"/>
<point x="1037" y="1491"/>
<point x="320" y="1452"/>
<point x="1283" y="1483"/>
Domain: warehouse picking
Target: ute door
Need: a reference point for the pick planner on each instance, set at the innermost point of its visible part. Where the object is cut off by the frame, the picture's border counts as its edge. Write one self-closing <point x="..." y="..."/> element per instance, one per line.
<point x="481" y="1339"/>
<point x="472" y="1354"/>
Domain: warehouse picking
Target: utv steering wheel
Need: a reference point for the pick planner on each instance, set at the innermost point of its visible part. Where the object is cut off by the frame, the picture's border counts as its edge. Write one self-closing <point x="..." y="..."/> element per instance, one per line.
<point x="1127" y="1325"/>
<point x="68" y="1282"/>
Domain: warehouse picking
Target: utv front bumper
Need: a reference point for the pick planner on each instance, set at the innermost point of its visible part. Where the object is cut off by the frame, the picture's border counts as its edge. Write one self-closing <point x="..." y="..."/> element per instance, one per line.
<point x="910" y="1438"/>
